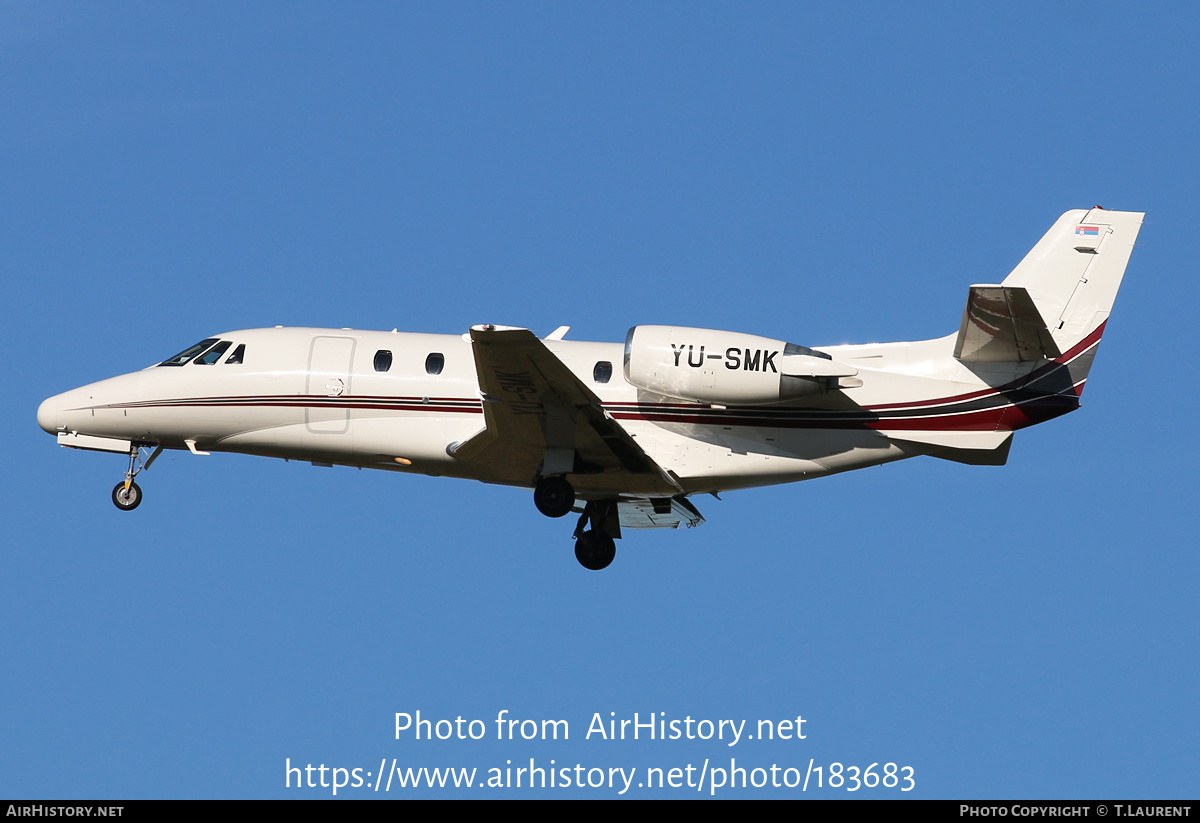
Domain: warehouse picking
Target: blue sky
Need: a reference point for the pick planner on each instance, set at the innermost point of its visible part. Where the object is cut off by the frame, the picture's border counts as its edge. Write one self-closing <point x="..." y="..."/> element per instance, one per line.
<point x="815" y="173"/>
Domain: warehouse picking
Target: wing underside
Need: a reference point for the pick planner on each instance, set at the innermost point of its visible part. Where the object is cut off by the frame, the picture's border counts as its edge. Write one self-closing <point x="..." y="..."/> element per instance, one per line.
<point x="540" y="419"/>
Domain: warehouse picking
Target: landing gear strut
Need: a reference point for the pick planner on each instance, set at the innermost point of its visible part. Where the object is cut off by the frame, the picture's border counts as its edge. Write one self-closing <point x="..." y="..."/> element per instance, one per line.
<point x="127" y="495"/>
<point x="596" y="547"/>
<point x="554" y="496"/>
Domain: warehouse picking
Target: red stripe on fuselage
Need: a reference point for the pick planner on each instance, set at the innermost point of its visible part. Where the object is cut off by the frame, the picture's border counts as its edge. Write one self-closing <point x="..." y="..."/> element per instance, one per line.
<point x="1071" y="354"/>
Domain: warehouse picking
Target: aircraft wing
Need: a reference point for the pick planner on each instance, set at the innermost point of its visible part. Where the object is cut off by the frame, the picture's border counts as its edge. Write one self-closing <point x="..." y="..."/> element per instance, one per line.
<point x="540" y="417"/>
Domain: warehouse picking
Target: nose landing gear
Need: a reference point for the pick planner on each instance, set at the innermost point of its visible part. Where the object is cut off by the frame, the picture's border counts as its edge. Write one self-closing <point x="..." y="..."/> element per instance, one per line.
<point x="127" y="495"/>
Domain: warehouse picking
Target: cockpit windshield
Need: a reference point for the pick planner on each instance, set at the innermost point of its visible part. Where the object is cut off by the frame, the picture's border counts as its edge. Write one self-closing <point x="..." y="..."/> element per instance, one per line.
<point x="188" y="353"/>
<point x="213" y="355"/>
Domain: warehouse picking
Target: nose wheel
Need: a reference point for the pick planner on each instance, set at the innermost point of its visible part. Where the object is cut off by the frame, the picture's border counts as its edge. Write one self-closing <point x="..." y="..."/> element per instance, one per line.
<point x="127" y="498"/>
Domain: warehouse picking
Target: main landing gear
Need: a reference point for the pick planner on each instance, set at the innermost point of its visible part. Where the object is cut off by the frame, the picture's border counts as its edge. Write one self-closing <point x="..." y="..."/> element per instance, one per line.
<point x="595" y="547"/>
<point x="595" y="550"/>
<point x="554" y="496"/>
<point x="127" y="495"/>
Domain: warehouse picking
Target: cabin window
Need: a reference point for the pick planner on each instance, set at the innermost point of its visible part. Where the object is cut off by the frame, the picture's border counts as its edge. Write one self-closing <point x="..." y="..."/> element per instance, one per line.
<point x="603" y="372"/>
<point x="213" y="355"/>
<point x="435" y="362"/>
<point x="383" y="360"/>
<point x="237" y="355"/>
<point x="188" y="353"/>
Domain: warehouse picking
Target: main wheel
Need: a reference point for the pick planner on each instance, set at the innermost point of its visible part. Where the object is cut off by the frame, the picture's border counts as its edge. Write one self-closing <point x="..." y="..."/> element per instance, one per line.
<point x="595" y="551"/>
<point x="127" y="499"/>
<point x="553" y="496"/>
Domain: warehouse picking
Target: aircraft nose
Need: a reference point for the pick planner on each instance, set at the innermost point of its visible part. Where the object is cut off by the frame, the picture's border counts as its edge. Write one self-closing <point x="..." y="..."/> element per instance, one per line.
<point x="48" y="415"/>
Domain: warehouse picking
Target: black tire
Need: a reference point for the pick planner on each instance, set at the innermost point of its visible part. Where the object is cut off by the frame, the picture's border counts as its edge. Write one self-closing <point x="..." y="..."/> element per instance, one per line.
<point x="595" y="551"/>
<point x="127" y="501"/>
<point x="554" y="496"/>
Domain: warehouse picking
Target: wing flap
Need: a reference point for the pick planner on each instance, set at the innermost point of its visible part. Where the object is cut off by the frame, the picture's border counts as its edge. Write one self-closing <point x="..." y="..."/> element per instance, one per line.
<point x="658" y="513"/>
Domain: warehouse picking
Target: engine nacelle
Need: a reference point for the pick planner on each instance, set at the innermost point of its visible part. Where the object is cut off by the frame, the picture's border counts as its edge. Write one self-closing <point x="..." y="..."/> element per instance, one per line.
<point x="726" y="367"/>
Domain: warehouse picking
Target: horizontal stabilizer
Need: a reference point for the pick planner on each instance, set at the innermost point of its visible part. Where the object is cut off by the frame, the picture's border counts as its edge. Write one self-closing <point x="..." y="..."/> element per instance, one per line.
<point x="1001" y="324"/>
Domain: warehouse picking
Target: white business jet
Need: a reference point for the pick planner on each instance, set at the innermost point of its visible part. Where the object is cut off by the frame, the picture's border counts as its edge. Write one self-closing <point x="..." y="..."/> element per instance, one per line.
<point x="624" y="436"/>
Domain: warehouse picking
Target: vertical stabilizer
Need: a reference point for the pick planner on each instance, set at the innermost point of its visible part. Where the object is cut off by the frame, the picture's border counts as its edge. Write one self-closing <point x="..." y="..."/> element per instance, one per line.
<point x="1073" y="273"/>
